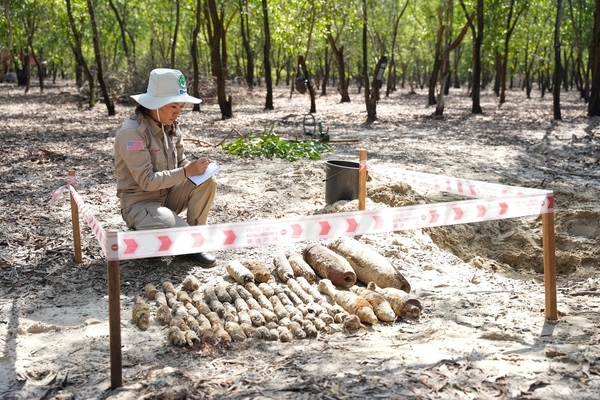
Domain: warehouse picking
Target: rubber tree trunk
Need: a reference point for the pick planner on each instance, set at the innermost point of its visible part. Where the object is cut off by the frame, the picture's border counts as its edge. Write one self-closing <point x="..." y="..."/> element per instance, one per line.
<point x="437" y="65"/>
<point x="267" y="56"/>
<point x="123" y="32"/>
<point x="338" y="54"/>
<point x="477" y="42"/>
<point x="245" y="30"/>
<point x="175" y="32"/>
<point x="325" y="73"/>
<point x="309" y="85"/>
<point x="557" y="63"/>
<point x="79" y="55"/>
<point x="218" y="55"/>
<point x="365" y="73"/>
<point x="109" y="104"/>
<point x="195" y="55"/>
<point x="374" y="93"/>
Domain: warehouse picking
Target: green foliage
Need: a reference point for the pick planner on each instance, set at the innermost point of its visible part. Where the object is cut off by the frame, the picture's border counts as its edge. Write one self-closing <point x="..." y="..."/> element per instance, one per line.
<point x="271" y="145"/>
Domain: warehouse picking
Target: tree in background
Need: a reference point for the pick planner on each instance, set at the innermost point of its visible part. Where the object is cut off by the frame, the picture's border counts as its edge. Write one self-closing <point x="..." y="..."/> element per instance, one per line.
<point x="32" y="17"/>
<point x="477" y="33"/>
<point x="581" y="75"/>
<point x="194" y="52"/>
<point x="594" y="106"/>
<point x="391" y="81"/>
<point x="122" y="22"/>
<point x="216" y="33"/>
<point x="338" y="54"/>
<point x="267" y="57"/>
<point x="557" y="63"/>
<point x="511" y="22"/>
<point x="445" y="56"/>
<point x="107" y="100"/>
<point x="246" y="35"/>
<point x="135" y="37"/>
<point x="78" y="51"/>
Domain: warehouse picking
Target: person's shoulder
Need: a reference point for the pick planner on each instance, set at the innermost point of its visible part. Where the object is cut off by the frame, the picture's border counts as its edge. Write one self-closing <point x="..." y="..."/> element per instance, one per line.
<point x="135" y="123"/>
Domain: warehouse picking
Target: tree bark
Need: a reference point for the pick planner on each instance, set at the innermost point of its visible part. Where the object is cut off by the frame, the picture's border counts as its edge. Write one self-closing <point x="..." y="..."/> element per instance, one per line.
<point x="175" y="32"/>
<point x="109" y="104"/>
<point x="338" y="54"/>
<point x="325" y="73"/>
<point x="557" y="63"/>
<point x="218" y="55"/>
<point x="477" y="42"/>
<point x="309" y="85"/>
<point x="364" y="58"/>
<point x="79" y="55"/>
<point x="374" y="93"/>
<point x="510" y="27"/>
<point x="195" y="55"/>
<point x="594" y="106"/>
<point x="391" y="82"/>
<point x="267" y="57"/>
<point x="244" y="28"/>
<point x="585" y="89"/>
<point x="439" y="109"/>
<point x="123" y="30"/>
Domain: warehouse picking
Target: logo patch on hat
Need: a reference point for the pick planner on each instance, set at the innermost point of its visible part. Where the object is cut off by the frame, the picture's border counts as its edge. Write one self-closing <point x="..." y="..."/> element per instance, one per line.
<point x="181" y="81"/>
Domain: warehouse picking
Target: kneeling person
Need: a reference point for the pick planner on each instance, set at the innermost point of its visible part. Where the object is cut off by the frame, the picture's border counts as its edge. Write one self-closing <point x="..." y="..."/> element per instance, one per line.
<point x="150" y="163"/>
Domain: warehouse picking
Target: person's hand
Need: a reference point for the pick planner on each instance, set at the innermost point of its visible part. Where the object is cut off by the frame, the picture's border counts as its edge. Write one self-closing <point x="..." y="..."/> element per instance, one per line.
<point x="197" y="167"/>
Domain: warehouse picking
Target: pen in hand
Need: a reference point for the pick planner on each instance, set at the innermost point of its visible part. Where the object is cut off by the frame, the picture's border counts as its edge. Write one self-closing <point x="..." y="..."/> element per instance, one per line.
<point x="197" y="167"/>
<point x="206" y="160"/>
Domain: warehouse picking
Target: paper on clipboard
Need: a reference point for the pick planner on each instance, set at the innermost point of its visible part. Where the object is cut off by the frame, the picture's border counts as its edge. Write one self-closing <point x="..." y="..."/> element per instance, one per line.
<point x="210" y="171"/>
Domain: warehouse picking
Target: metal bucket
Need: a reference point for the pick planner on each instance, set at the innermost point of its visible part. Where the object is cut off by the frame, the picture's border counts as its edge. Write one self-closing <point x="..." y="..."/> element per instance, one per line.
<point x="341" y="181"/>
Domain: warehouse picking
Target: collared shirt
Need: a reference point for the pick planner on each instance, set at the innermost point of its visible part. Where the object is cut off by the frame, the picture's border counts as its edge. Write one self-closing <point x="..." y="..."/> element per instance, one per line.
<point x="146" y="164"/>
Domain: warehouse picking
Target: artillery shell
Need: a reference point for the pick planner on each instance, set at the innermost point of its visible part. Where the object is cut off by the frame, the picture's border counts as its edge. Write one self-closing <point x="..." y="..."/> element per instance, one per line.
<point x="141" y="314"/>
<point x="222" y="294"/>
<point x="283" y="267"/>
<point x="301" y="268"/>
<point x="191" y="283"/>
<point x="163" y="315"/>
<point x="169" y="288"/>
<point x="259" y="270"/>
<point x="238" y="272"/>
<point x="150" y="291"/>
<point x="329" y="265"/>
<point x="266" y="289"/>
<point x="235" y="331"/>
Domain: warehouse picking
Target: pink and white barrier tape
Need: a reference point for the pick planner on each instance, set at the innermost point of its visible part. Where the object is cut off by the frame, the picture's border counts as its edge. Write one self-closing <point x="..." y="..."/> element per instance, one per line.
<point x="71" y="180"/>
<point x="495" y="202"/>
<point x="97" y="229"/>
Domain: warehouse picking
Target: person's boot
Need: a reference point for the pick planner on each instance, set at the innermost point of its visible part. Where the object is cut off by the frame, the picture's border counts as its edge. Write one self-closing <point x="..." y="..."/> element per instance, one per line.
<point x="204" y="258"/>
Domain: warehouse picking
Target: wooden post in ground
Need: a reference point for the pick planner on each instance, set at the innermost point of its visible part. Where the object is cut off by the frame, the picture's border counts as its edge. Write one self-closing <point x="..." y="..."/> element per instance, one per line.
<point x="549" y="265"/>
<point x="362" y="180"/>
<point x="114" y="322"/>
<point x="75" y="221"/>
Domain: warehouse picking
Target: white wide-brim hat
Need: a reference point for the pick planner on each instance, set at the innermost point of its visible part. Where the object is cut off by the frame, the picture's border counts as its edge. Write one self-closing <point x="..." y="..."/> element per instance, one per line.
<point x="165" y="86"/>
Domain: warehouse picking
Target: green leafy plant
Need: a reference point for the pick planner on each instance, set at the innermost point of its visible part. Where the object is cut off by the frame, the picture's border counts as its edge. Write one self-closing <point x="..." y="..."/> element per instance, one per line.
<point x="271" y="145"/>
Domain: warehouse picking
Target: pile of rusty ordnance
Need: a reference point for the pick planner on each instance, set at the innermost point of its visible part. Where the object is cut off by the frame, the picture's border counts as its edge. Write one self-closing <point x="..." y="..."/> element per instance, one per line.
<point x="338" y="287"/>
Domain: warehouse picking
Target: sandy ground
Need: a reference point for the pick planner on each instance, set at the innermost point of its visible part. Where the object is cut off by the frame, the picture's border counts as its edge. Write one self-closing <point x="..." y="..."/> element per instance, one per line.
<point x="482" y="333"/>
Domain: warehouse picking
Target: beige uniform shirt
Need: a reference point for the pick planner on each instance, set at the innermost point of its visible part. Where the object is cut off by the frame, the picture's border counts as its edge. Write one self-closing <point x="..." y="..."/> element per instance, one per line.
<point x="146" y="166"/>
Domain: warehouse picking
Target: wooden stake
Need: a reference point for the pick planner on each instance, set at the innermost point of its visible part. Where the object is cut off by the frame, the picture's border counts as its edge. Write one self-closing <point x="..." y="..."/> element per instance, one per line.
<point x="114" y="323"/>
<point x="549" y="265"/>
<point x="362" y="181"/>
<point x="75" y="221"/>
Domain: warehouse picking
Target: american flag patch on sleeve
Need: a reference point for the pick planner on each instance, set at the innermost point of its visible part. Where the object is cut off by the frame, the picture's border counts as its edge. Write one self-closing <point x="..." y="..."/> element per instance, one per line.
<point x="137" y="145"/>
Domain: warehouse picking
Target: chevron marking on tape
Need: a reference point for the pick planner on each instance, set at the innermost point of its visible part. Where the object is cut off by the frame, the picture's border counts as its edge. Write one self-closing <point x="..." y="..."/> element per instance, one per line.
<point x="493" y="201"/>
